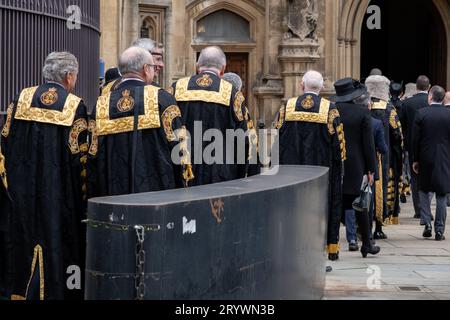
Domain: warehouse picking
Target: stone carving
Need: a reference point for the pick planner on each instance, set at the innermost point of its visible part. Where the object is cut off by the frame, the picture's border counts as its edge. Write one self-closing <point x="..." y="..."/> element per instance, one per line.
<point x="301" y="20"/>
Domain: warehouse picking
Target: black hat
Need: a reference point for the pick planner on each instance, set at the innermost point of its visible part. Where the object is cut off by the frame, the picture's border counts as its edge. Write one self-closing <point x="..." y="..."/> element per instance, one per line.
<point x="111" y="75"/>
<point x="396" y="88"/>
<point x="347" y="90"/>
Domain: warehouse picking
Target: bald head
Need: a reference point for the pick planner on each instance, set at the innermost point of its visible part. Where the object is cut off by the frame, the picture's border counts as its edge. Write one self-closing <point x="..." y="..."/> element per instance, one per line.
<point x="212" y="59"/>
<point x="312" y="81"/>
<point x="447" y="99"/>
<point x="134" y="61"/>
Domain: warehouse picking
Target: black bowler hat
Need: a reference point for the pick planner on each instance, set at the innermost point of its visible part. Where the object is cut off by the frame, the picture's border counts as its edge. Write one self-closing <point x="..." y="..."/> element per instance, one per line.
<point x="347" y="90"/>
<point x="112" y="74"/>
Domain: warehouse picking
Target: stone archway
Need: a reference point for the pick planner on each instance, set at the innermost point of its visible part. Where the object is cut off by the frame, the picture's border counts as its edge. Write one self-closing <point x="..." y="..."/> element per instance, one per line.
<point x="253" y="47"/>
<point x="350" y="30"/>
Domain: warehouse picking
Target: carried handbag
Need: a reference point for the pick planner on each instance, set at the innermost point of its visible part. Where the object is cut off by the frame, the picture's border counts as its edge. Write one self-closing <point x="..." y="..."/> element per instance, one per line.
<point x="362" y="203"/>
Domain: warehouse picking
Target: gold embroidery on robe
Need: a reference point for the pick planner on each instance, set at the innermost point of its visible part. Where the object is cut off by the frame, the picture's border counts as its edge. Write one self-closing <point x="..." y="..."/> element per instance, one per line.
<point x="126" y="103"/>
<point x="94" y="138"/>
<point x="333" y="115"/>
<point x="168" y="116"/>
<point x="238" y="101"/>
<point x="50" y="97"/>
<point x="223" y="97"/>
<point x="205" y="81"/>
<point x="333" y="248"/>
<point x="315" y="117"/>
<point x="379" y="207"/>
<point x="380" y="105"/>
<point x="150" y="119"/>
<point x="7" y="126"/>
<point x="108" y="87"/>
<point x="342" y="142"/>
<point x="393" y="120"/>
<point x="38" y="258"/>
<point x="170" y="90"/>
<point x="281" y="118"/>
<point x="3" y="170"/>
<point x="28" y="113"/>
<point x="78" y="127"/>
<point x="308" y="103"/>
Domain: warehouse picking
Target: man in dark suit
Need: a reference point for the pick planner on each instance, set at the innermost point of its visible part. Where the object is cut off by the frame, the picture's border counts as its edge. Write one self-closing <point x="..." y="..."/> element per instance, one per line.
<point x="447" y="105"/>
<point x="410" y="108"/>
<point x="360" y="148"/>
<point x="431" y="159"/>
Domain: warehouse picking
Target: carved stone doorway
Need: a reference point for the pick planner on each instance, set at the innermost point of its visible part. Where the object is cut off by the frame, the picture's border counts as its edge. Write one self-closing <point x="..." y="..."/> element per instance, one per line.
<point x="412" y="41"/>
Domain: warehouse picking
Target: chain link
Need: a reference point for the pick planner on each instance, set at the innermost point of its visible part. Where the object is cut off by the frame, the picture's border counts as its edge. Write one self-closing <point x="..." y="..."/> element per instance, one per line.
<point x="140" y="262"/>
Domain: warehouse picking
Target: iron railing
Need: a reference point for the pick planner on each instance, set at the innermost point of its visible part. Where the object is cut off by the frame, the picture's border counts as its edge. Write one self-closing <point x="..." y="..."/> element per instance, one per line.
<point x="31" y="29"/>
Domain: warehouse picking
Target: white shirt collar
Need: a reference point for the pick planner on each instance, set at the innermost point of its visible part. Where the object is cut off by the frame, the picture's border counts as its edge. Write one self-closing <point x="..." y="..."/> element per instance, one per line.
<point x="426" y="92"/>
<point x="131" y="79"/>
<point x="311" y="92"/>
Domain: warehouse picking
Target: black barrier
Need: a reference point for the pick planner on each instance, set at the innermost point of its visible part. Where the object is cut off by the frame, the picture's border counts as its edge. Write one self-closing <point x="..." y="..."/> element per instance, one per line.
<point x="261" y="238"/>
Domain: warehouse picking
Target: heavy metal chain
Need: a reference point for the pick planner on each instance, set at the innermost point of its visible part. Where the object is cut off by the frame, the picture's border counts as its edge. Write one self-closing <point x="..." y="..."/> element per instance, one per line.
<point x="140" y="263"/>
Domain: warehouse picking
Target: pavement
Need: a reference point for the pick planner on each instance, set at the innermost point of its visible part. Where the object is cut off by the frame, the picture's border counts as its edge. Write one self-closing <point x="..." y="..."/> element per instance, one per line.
<point x="408" y="267"/>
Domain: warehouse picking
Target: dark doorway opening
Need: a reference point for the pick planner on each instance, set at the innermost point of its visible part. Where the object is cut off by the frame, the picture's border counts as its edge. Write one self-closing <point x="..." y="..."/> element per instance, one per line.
<point x="411" y="41"/>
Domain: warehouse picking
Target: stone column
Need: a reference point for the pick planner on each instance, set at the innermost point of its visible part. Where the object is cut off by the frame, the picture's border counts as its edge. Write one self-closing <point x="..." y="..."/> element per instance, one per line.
<point x="297" y="57"/>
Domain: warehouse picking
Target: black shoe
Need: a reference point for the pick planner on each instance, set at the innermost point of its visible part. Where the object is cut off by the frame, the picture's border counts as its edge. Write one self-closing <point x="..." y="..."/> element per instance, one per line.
<point x="353" y="246"/>
<point x="333" y="256"/>
<point x="329" y="269"/>
<point x="403" y="198"/>
<point x="439" y="236"/>
<point x="372" y="250"/>
<point x="379" y="235"/>
<point x="428" y="230"/>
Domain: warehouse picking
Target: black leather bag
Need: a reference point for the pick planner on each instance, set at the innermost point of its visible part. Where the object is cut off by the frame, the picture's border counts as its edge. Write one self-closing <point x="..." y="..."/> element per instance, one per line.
<point x="362" y="203"/>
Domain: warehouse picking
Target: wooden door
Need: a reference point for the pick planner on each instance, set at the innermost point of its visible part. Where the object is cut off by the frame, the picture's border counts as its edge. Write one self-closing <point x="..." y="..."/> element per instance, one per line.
<point x="238" y="63"/>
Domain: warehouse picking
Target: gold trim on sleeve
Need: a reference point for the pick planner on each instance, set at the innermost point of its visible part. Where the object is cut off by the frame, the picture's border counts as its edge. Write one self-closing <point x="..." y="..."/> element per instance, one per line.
<point x="281" y="117"/>
<point x="333" y="115"/>
<point x="393" y="120"/>
<point x="78" y="127"/>
<point x="150" y="119"/>
<point x="238" y="102"/>
<point x="28" y="113"/>
<point x="315" y="117"/>
<point x="167" y="118"/>
<point x="3" y="170"/>
<point x="7" y="126"/>
<point x="223" y="97"/>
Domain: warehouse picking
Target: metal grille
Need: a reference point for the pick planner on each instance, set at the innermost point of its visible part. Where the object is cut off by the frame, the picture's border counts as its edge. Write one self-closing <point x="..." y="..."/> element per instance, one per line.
<point x="31" y="29"/>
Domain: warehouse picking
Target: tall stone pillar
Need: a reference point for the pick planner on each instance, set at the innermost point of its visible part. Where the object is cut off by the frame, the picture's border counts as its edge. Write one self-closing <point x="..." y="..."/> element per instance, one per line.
<point x="297" y="57"/>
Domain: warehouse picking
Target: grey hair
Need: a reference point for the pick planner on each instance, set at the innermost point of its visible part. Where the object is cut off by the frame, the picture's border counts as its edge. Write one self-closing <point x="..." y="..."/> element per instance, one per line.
<point x="133" y="60"/>
<point x="437" y="94"/>
<point x="58" y="64"/>
<point x="313" y="81"/>
<point x="212" y="57"/>
<point x="364" y="99"/>
<point x="234" y="79"/>
<point x="145" y="43"/>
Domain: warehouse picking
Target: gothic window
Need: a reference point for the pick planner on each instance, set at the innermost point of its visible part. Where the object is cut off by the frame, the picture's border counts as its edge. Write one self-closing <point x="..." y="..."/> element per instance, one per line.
<point x="223" y="25"/>
<point x="148" y="28"/>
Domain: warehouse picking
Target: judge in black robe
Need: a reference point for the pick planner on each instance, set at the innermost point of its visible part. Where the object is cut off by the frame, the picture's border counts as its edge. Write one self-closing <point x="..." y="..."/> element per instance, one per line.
<point x="212" y="103"/>
<point x="44" y="142"/>
<point x="311" y="134"/>
<point x="137" y="126"/>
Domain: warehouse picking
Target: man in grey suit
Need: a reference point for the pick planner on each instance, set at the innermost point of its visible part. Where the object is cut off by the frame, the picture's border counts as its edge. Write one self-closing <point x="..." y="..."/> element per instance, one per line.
<point x="410" y="108"/>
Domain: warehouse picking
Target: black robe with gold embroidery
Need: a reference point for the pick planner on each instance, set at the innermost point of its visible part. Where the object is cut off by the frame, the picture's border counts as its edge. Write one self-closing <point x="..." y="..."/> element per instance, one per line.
<point x="311" y="133"/>
<point x="44" y="142"/>
<point x="128" y="156"/>
<point x="4" y="222"/>
<point x="207" y="99"/>
<point x="387" y="208"/>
